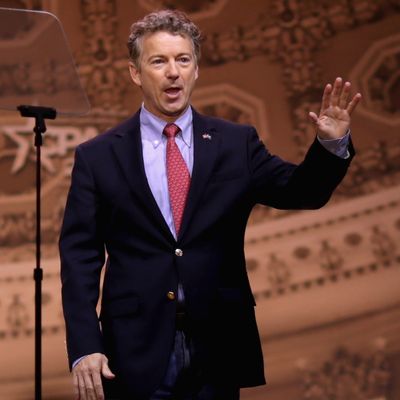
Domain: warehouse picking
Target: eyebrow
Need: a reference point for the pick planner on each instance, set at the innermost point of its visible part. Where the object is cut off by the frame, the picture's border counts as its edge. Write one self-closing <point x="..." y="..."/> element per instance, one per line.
<point x="163" y="55"/>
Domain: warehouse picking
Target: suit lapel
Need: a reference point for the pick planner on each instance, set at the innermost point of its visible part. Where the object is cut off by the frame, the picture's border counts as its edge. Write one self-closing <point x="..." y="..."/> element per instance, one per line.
<point x="205" y="151"/>
<point x="129" y="154"/>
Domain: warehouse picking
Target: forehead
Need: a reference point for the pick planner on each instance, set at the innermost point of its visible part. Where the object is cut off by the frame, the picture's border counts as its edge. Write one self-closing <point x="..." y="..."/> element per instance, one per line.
<point x="163" y="42"/>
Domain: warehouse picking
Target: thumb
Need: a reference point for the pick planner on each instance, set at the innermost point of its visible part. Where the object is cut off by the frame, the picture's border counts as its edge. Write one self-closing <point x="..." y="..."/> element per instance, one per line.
<point x="105" y="370"/>
<point x="313" y="117"/>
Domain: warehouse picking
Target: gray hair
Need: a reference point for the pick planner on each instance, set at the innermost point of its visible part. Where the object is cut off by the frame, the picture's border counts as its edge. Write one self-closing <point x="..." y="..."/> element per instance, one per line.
<point x="172" y="21"/>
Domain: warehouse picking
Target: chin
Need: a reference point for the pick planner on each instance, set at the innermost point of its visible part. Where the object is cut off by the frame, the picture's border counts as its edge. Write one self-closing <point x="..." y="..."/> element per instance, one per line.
<point x="175" y="112"/>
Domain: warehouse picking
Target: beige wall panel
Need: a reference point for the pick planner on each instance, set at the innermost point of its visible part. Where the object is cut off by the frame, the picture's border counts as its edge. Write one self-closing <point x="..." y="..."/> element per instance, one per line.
<point x="326" y="282"/>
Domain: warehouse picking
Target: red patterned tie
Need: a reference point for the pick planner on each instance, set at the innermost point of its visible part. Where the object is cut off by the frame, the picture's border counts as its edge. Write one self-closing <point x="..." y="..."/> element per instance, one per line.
<point x="178" y="176"/>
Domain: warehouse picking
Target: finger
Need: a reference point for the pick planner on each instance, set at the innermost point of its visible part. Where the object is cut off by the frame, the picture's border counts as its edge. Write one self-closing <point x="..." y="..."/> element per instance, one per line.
<point x="98" y="387"/>
<point x="344" y="97"/>
<point x="313" y="117"/>
<point x="90" y="393"/>
<point x="326" y="98"/>
<point x="105" y="370"/>
<point x="82" y="388"/>
<point x="337" y="89"/>
<point x="75" y="383"/>
<point x="353" y="103"/>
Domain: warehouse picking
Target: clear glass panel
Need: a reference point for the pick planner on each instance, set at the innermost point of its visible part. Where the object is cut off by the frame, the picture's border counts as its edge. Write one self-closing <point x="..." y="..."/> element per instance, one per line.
<point x="36" y="65"/>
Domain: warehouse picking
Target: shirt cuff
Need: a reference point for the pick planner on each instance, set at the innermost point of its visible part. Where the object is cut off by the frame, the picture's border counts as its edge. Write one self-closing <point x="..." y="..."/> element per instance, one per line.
<point x="75" y="363"/>
<point x="339" y="146"/>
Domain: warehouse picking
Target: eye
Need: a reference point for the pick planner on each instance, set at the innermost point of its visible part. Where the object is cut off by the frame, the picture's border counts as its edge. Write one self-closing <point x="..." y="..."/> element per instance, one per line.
<point x="184" y="59"/>
<point x="157" y="61"/>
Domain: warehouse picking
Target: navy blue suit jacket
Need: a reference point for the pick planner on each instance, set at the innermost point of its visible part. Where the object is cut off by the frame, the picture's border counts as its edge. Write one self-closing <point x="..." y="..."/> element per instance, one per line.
<point x="110" y="207"/>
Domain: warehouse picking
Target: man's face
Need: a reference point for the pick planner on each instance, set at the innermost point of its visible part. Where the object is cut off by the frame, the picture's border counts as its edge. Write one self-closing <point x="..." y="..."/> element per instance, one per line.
<point x="166" y="74"/>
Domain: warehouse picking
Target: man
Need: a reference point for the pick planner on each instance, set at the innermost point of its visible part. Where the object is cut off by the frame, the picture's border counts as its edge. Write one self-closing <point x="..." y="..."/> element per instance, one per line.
<point x="167" y="194"/>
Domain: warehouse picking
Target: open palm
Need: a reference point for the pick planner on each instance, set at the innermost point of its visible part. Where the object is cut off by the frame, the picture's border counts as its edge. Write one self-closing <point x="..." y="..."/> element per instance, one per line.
<point x="333" y="120"/>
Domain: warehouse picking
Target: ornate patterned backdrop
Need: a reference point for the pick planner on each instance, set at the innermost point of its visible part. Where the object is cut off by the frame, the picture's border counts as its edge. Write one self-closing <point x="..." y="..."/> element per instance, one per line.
<point x="313" y="274"/>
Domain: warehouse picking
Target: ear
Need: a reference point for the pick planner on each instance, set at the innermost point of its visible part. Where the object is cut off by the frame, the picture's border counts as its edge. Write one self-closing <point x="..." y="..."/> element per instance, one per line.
<point x="135" y="74"/>
<point x="196" y="72"/>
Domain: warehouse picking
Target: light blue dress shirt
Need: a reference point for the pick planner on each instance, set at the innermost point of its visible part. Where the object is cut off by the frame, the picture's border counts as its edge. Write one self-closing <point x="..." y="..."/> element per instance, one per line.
<point x="339" y="147"/>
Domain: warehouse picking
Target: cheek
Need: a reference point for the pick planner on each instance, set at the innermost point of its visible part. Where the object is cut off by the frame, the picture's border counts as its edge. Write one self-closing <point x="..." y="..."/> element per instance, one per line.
<point x="154" y="92"/>
<point x="151" y="82"/>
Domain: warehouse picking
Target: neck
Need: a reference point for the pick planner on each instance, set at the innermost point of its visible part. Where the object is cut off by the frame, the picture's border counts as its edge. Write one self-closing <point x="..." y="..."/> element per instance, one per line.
<point x="165" y="117"/>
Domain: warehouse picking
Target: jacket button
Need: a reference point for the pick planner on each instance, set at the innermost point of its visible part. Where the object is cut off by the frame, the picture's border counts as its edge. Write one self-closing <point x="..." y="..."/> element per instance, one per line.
<point x="178" y="252"/>
<point x="171" y="295"/>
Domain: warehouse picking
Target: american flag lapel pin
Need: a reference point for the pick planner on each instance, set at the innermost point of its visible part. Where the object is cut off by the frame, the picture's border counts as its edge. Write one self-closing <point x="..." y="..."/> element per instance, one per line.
<point x="206" y="136"/>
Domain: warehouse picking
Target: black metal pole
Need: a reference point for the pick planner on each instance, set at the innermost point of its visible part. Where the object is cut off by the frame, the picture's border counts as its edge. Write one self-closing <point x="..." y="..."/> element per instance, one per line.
<point x="40" y="114"/>
<point x="38" y="273"/>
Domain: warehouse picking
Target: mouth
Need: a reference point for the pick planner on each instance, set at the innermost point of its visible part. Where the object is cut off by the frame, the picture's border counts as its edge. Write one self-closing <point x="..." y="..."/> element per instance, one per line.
<point x="172" y="92"/>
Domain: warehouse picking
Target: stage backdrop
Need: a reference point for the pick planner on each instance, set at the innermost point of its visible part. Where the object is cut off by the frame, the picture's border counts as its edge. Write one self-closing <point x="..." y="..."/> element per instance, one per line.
<point x="326" y="282"/>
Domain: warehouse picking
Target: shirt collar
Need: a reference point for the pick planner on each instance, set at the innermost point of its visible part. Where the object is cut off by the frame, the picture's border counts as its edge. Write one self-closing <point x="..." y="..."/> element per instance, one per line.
<point x="153" y="126"/>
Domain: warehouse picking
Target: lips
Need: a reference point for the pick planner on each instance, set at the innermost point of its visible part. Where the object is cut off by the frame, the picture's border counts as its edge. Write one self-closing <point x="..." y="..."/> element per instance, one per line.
<point x="172" y="92"/>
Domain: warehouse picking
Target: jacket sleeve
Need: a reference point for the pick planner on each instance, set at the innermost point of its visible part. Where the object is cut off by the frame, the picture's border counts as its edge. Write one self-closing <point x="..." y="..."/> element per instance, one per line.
<point x="82" y="258"/>
<point x="284" y="185"/>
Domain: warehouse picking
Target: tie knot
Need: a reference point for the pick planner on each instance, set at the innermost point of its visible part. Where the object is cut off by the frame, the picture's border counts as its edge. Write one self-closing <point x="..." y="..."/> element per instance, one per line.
<point x="171" y="130"/>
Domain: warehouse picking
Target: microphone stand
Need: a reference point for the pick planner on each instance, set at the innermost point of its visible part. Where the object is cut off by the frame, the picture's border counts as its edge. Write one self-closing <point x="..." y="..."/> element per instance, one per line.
<point x="40" y="114"/>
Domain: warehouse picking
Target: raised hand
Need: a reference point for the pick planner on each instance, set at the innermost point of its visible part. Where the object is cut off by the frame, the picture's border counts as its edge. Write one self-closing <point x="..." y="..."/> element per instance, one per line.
<point x="86" y="376"/>
<point x="334" y="117"/>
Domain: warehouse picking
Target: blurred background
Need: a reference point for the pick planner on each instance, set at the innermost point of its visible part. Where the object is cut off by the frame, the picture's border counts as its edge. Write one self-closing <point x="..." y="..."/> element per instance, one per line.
<point x="326" y="282"/>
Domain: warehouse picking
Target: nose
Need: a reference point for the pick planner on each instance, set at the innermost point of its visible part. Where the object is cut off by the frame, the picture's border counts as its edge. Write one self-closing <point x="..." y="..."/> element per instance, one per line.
<point x="172" y="71"/>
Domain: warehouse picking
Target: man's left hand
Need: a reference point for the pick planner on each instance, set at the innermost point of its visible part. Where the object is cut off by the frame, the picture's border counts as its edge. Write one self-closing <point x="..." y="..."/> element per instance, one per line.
<point x="334" y="118"/>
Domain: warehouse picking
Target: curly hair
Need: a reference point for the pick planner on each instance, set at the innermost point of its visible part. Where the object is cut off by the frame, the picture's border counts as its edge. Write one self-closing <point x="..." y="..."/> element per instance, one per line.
<point x="172" y="21"/>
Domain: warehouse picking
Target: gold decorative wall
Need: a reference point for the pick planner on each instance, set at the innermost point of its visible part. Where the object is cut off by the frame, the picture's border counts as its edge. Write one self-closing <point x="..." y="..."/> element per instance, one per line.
<point x="326" y="282"/>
